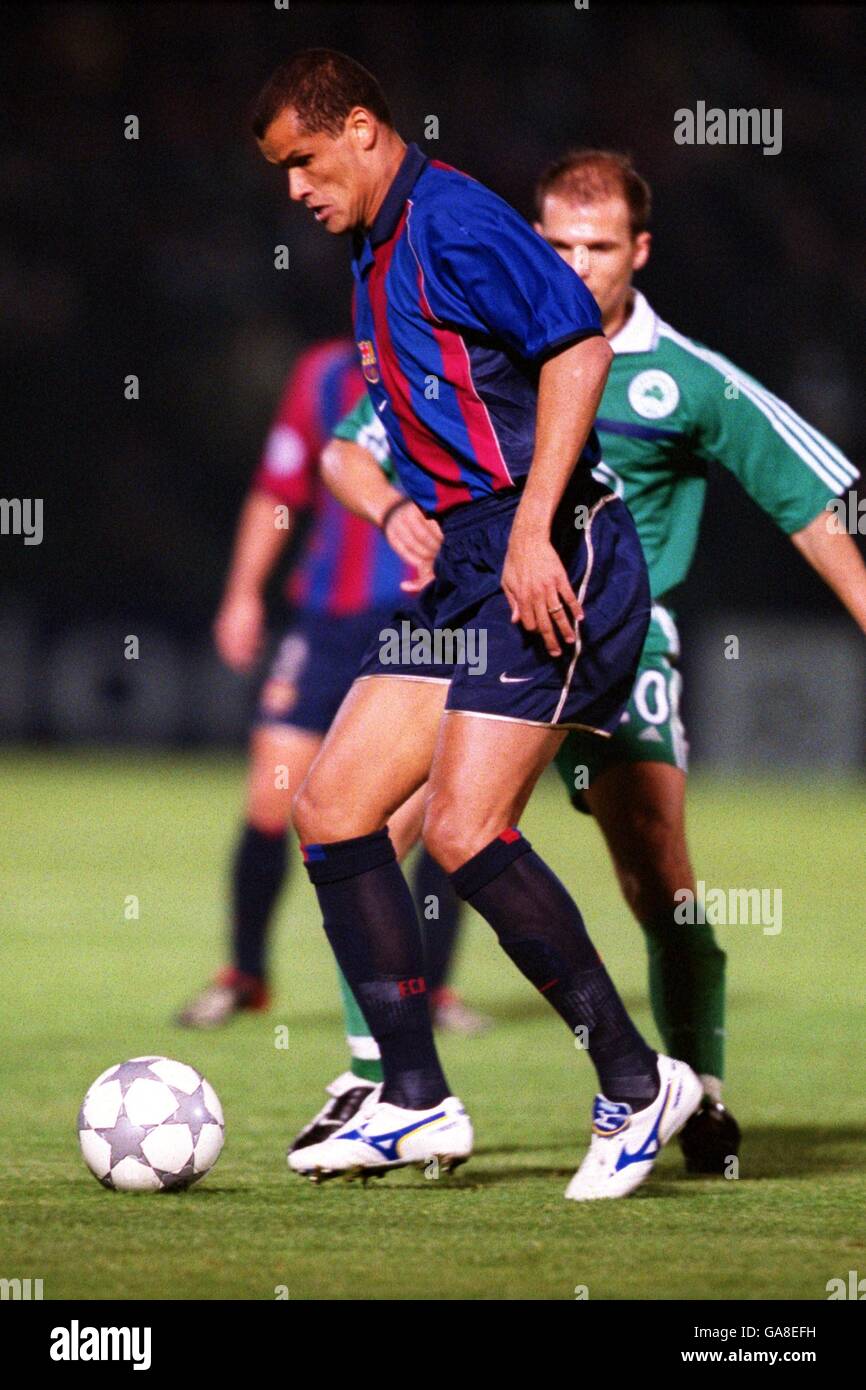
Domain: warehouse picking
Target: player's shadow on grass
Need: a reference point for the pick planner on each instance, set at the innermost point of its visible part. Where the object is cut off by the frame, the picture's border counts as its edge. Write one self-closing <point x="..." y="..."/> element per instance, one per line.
<point x="500" y="1150"/>
<point x="790" y="1151"/>
<point x="204" y="1191"/>
<point x="493" y="1177"/>
<point x="767" y="1152"/>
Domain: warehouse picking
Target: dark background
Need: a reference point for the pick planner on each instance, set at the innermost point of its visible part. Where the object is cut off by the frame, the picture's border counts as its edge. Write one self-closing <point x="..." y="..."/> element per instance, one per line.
<point x="155" y="256"/>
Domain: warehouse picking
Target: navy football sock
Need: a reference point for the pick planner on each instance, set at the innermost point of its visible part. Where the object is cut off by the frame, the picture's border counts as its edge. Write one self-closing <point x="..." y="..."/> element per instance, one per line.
<point x="370" y="920"/>
<point x="541" y="929"/>
<point x="439" y="908"/>
<point x="258" y="874"/>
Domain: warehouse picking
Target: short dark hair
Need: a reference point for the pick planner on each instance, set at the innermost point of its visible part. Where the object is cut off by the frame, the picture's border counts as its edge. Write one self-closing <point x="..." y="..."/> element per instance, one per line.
<point x="591" y="175"/>
<point x="322" y="86"/>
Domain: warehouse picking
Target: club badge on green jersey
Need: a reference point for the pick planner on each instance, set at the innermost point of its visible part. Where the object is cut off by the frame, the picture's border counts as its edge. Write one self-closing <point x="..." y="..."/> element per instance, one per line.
<point x="653" y="394"/>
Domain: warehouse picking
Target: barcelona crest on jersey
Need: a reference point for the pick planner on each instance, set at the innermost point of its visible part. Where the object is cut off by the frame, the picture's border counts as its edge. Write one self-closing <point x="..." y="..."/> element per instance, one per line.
<point x="368" y="360"/>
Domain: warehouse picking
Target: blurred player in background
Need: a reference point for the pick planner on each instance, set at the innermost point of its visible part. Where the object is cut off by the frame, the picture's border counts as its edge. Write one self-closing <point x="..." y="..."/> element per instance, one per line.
<point x="345" y="585"/>
<point x="594" y="209"/>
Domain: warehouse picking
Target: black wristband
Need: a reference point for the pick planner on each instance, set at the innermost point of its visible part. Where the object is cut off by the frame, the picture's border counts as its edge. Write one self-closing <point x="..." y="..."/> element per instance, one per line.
<point x="394" y="507"/>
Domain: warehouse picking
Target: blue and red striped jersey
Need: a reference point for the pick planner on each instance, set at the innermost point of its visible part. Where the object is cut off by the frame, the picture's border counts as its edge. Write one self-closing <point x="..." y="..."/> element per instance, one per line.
<point x="457" y="302"/>
<point x="346" y="565"/>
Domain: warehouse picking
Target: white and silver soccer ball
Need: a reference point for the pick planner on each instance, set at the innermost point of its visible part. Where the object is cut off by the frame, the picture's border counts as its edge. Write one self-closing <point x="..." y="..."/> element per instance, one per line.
<point x="149" y="1125"/>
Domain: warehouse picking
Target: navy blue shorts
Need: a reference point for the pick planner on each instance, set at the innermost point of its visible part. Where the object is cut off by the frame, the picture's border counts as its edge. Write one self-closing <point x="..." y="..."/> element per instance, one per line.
<point x="314" y="666"/>
<point x="460" y="630"/>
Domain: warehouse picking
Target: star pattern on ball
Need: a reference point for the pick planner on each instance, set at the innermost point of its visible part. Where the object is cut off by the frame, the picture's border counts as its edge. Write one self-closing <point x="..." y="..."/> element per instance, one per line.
<point x="136" y="1071"/>
<point x="192" y="1110"/>
<point x="124" y="1138"/>
<point x="185" y="1177"/>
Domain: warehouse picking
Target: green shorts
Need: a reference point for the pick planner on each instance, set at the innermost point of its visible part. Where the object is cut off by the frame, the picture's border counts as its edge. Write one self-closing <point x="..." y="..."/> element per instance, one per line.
<point x="650" y="731"/>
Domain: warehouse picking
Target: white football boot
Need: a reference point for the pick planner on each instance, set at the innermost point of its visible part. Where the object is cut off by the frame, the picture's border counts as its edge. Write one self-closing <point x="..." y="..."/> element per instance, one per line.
<point x="626" y="1143"/>
<point x="383" y="1136"/>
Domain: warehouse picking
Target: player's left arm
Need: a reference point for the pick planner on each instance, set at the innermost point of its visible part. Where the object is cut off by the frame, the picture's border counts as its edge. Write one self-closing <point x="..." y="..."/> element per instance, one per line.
<point x="788" y="467"/>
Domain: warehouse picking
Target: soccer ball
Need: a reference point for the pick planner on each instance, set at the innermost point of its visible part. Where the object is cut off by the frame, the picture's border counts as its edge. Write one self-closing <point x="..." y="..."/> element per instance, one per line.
<point x="149" y="1125"/>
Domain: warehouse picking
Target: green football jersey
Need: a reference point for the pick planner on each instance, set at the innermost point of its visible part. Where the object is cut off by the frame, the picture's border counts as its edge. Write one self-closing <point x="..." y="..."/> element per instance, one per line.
<point x="671" y="407"/>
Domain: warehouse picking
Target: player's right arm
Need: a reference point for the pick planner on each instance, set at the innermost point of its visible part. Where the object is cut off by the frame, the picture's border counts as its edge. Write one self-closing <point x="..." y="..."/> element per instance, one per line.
<point x="356" y="467"/>
<point x="281" y="488"/>
<point x="833" y="555"/>
<point x="239" y="625"/>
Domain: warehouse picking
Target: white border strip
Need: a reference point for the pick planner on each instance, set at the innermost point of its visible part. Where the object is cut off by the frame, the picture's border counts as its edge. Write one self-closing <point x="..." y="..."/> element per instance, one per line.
<point x="536" y="723"/>
<point x="401" y="676"/>
<point x="581" y="594"/>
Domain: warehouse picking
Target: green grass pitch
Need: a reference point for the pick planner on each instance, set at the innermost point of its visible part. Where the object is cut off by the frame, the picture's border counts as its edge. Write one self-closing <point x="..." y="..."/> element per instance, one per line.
<point x="81" y="988"/>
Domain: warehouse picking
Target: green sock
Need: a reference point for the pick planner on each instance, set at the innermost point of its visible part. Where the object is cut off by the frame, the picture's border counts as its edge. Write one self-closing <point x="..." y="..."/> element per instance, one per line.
<point x="361" y="1042"/>
<point x="687" y="992"/>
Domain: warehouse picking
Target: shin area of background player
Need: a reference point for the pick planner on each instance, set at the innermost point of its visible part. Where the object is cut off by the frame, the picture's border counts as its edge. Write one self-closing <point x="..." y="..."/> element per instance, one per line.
<point x="340" y="592"/>
<point x="670" y="409"/>
<point x="485" y="360"/>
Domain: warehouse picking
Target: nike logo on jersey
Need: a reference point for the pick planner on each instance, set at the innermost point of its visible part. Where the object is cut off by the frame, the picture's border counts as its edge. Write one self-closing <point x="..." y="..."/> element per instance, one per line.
<point x="381" y="407"/>
<point x="514" y="680"/>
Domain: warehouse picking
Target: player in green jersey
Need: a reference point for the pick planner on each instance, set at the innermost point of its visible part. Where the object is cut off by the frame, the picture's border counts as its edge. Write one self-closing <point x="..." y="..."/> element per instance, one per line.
<point x="670" y="408"/>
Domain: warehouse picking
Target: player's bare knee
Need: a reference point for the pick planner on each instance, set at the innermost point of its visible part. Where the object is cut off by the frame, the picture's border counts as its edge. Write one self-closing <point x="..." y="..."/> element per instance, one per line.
<point x="450" y="837"/>
<point x="442" y="836"/>
<point x="322" y="817"/>
<point x="308" y="815"/>
<point x="268" y="820"/>
<point x="268" y="809"/>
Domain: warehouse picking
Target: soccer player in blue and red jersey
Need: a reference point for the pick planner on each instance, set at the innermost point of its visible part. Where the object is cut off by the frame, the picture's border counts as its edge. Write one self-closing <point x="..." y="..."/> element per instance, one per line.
<point x="342" y="590"/>
<point x="485" y="359"/>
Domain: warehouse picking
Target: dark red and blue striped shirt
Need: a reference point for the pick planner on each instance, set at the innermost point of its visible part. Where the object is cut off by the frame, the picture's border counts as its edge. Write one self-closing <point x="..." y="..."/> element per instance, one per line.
<point x="457" y="303"/>
<point x="347" y="565"/>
